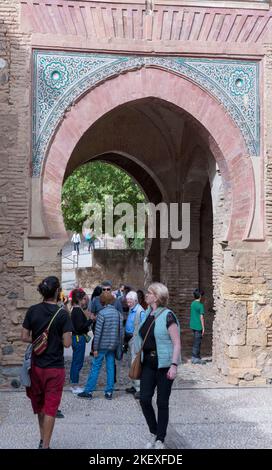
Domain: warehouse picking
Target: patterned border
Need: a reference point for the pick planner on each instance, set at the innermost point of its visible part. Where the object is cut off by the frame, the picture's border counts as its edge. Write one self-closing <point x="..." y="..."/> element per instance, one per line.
<point x="60" y="78"/>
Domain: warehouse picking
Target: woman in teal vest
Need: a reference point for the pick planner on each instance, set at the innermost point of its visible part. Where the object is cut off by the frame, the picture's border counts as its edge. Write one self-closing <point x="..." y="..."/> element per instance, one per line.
<point x="161" y="355"/>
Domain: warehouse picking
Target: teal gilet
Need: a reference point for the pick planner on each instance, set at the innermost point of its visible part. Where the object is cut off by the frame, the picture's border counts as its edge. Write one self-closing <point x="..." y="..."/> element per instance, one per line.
<point x="163" y="340"/>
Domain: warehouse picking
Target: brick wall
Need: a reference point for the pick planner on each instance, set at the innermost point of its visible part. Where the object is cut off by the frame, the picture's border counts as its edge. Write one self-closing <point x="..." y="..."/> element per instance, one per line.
<point x="14" y="174"/>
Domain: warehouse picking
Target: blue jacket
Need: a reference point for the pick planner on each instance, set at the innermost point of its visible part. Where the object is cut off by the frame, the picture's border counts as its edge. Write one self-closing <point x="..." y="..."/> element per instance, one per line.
<point x="163" y="340"/>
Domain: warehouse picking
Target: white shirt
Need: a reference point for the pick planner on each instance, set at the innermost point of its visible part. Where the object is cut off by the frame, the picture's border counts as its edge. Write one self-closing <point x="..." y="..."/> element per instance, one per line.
<point x="76" y="238"/>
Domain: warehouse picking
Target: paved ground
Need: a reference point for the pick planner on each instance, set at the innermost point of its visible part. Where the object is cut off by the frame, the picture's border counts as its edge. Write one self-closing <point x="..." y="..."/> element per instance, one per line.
<point x="204" y="413"/>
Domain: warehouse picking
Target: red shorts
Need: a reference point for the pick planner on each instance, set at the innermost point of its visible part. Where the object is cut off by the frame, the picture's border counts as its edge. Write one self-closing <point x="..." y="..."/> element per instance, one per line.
<point x="46" y="389"/>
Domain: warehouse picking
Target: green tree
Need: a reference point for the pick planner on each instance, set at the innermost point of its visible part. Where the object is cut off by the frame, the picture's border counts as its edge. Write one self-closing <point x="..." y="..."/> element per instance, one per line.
<point x="90" y="184"/>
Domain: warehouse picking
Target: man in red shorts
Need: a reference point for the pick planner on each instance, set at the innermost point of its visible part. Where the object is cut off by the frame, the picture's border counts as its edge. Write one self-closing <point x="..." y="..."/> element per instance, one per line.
<point x="47" y="369"/>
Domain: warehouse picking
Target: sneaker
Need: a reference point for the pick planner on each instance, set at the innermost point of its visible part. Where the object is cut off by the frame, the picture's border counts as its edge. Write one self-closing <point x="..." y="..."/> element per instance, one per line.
<point x="137" y="395"/>
<point x="76" y="390"/>
<point x="159" y="445"/>
<point x="131" y="390"/>
<point x="40" y="444"/>
<point x="85" y="395"/>
<point x="59" y="414"/>
<point x="150" y="444"/>
<point x="108" y="396"/>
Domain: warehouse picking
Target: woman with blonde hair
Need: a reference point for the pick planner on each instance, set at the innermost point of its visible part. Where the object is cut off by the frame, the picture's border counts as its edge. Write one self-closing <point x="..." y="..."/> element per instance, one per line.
<point x="160" y="336"/>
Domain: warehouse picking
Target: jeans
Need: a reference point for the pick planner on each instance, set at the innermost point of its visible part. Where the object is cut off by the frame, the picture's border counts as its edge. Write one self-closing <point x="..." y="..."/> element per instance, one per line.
<point x="78" y="345"/>
<point x="76" y="247"/>
<point x="197" y="343"/>
<point x="95" y="369"/>
<point x="90" y="245"/>
<point x="150" y="379"/>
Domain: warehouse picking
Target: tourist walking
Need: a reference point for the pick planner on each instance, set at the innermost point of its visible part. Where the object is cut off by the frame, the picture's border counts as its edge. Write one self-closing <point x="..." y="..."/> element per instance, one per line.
<point x="81" y="327"/>
<point x="76" y="240"/>
<point x="90" y="238"/>
<point x="160" y="358"/>
<point x="107" y="341"/>
<point x="197" y="325"/>
<point x="47" y="369"/>
<point x="136" y="316"/>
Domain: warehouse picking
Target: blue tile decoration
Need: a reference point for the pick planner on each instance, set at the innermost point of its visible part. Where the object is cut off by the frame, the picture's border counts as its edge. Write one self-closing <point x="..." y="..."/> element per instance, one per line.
<point x="60" y="78"/>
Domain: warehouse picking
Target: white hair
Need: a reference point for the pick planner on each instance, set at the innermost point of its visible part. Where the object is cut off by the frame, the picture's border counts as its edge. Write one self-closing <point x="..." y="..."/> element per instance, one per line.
<point x="132" y="295"/>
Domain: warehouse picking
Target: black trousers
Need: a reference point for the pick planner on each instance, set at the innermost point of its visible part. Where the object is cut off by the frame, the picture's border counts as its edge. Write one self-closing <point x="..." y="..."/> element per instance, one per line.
<point x="150" y="379"/>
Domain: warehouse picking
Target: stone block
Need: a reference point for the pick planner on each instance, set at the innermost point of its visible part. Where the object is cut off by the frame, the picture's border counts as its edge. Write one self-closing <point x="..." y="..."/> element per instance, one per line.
<point x="240" y="373"/>
<point x="241" y="362"/>
<point x="252" y="321"/>
<point x="235" y="323"/>
<point x="257" y="381"/>
<point x="256" y="337"/>
<point x="232" y="380"/>
<point x="7" y="350"/>
<point x="232" y="351"/>
<point x="12" y="264"/>
<point x="10" y="371"/>
<point x="265" y="316"/>
<point x="245" y="261"/>
<point x="236" y="288"/>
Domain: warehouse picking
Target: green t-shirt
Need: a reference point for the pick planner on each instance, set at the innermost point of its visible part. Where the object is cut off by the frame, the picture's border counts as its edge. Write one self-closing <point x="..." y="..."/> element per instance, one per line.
<point x="197" y="309"/>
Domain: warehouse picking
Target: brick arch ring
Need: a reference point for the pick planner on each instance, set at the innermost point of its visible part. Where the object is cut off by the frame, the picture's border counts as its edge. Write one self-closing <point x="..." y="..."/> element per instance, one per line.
<point x="224" y="137"/>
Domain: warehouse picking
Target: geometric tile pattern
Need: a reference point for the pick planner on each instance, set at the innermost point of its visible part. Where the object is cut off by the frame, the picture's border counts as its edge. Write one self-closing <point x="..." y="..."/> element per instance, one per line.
<point x="60" y="78"/>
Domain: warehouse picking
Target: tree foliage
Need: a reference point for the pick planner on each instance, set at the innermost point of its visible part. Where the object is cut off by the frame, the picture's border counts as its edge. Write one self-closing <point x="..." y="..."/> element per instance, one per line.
<point x="90" y="184"/>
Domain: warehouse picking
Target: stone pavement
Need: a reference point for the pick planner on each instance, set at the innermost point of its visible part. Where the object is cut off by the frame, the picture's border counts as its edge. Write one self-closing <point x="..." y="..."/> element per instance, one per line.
<point x="204" y="413"/>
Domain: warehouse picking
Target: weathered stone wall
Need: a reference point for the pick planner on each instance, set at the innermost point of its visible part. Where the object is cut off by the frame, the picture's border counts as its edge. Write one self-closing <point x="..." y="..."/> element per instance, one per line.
<point x="117" y="265"/>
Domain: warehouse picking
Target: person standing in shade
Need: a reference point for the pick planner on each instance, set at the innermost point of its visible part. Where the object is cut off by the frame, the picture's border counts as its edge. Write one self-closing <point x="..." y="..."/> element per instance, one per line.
<point x="160" y="358"/>
<point x="80" y="328"/>
<point x="76" y="240"/>
<point x="197" y="325"/>
<point x="135" y="317"/>
<point x="47" y="370"/>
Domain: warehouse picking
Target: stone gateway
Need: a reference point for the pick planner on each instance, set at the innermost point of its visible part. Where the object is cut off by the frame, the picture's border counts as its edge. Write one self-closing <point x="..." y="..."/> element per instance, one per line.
<point x="178" y="95"/>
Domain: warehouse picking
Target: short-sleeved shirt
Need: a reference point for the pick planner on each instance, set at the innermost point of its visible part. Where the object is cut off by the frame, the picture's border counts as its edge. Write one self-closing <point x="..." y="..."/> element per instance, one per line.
<point x="150" y="343"/>
<point x="197" y="309"/>
<point x="131" y="319"/>
<point x="36" y="320"/>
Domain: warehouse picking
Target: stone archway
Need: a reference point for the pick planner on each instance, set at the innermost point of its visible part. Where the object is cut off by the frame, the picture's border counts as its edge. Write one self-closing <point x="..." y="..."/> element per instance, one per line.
<point x="219" y="137"/>
<point x="224" y="138"/>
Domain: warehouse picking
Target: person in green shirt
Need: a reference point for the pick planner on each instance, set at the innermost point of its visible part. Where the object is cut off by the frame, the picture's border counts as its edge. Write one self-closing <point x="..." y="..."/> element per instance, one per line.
<point x="197" y="325"/>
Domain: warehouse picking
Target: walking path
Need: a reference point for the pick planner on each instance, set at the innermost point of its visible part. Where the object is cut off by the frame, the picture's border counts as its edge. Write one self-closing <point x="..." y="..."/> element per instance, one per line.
<point x="205" y="412"/>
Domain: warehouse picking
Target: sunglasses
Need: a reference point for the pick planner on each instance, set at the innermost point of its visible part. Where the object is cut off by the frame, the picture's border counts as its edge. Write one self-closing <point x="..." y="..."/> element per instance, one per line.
<point x="106" y="288"/>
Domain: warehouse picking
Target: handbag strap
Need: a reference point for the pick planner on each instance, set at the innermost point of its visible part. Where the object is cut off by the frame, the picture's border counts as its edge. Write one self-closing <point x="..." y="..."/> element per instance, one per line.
<point x="155" y="318"/>
<point x="52" y="319"/>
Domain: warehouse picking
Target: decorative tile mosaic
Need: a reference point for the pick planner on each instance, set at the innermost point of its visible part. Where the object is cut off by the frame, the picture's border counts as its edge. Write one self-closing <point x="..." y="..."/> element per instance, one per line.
<point x="60" y="78"/>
